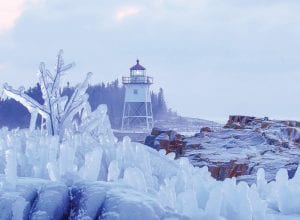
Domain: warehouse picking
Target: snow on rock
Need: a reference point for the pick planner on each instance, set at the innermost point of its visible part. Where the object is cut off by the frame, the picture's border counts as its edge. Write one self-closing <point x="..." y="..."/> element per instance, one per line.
<point x="241" y="152"/>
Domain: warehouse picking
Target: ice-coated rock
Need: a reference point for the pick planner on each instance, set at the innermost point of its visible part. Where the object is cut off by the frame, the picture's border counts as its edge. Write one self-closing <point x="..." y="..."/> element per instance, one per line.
<point x="18" y="208"/>
<point x="52" y="202"/>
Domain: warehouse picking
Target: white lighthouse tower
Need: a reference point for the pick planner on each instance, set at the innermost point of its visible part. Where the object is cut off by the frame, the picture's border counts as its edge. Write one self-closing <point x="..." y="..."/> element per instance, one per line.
<point x="137" y="111"/>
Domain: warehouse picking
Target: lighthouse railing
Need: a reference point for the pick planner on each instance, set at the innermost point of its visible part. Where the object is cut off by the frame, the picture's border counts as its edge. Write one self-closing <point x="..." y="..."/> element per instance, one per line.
<point x="137" y="80"/>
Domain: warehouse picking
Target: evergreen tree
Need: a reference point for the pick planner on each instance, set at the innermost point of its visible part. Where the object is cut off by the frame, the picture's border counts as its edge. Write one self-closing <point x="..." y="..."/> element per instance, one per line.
<point x="13" y="114"/>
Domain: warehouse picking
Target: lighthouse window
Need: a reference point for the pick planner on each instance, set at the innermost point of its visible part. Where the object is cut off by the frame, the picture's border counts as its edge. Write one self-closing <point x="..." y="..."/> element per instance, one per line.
<point x="135" y="91"/>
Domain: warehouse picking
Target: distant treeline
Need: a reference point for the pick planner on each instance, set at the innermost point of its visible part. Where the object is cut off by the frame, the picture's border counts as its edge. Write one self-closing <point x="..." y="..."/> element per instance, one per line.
<point x="13" y="114"/>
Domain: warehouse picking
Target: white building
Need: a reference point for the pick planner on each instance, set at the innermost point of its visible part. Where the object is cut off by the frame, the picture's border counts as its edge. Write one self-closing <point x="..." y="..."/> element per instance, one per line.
<point x="137" y="111"/>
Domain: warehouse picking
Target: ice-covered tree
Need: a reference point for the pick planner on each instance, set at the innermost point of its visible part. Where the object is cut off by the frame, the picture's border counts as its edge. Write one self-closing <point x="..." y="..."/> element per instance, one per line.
<point x="58" y="112"/>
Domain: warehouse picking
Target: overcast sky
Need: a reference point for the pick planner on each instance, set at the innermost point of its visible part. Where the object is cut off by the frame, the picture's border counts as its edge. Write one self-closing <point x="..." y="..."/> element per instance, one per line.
<point x="212" y="57"/>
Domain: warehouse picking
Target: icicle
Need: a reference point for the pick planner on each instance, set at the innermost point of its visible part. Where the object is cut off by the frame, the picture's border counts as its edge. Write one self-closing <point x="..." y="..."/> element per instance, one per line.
<point x="33" y="118"/>
<point x="11" y="168"/>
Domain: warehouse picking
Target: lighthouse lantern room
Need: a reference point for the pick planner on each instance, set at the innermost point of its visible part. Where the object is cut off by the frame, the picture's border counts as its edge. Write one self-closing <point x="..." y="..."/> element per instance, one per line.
<point x="137" y="111"/>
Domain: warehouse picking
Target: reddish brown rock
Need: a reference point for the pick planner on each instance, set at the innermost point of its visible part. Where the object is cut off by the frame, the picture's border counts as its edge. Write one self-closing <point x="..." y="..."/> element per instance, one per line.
<point x="164" y="144"/>
<point x="258" y="130"/>
<point x="238" y="170"/>
<point x="176" y="146"/>
<point x="229" y="169"/>
<point x="239" y="121"/>
<point x="242" y="119"/>
<point x="214" y="171"/>
<point x="265" y="125"/>
<point x="169" y="140"/>
<point x="205" y="129"/>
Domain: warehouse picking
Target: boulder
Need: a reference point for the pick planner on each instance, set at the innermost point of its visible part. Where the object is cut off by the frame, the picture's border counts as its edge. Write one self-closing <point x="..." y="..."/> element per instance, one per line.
<point x="214" y="170"/>
<point x="206" y="129"/>
<point x="164" y="144"/>
<point x="173" y="135"/>
<point x="170" y="140"/>
<point x="265" y="125"/>
<point x="199" y="135"/>
<point x="162" y="136"/>
<point x="230" y="169"/>
<point x="157" y="131"/>
<point x="149" y="141"/>
<point x="162" y="141"/>
<point x="239" y="121"/>
<point x="176" y="146"/>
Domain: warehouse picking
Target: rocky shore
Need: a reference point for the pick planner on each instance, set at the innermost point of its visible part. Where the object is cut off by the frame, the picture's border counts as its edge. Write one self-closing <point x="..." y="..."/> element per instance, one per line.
<point x="239" y="149"/>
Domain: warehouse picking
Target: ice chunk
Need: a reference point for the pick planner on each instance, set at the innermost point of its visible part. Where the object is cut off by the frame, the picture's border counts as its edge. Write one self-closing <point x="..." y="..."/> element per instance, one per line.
<point x="187" y="204"/>
<point x="171" y="156"/>
<point x="92" y="164"/>
<point x="53" y="171"/>
<point x="11" y="168"/>
<point x="258" y="206"/>
<point x="288" y="200"/>
<point x="213" y="205"/>
<point x="66" y="158"/>
<point x="126" y="141"/>
<point x="262" y="187"/>
<point x="113" y="171"/>
<point x="282" y="176"/>
<point x="135" y="178"/>
<point x="18" y="209"/>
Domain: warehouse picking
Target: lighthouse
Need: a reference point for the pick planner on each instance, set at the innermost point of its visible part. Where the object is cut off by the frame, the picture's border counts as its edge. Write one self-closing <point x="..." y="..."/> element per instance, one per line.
<point x="137" y="111"/>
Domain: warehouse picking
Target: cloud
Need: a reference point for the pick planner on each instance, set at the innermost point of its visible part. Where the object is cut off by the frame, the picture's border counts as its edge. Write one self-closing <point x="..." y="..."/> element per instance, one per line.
<point x="2" y="67"/>
<point x="127" y="11"/>
<point x="9" y="13"/>
<point x="11" y="10"/>
<point x="242" y="52"/>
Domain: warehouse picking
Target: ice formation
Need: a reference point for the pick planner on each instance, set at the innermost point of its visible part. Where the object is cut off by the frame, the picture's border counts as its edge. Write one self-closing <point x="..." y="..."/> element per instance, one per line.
<point x="90" y="175"/>
<point x="129" y="180"/>
<point x="57" y="111"/>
